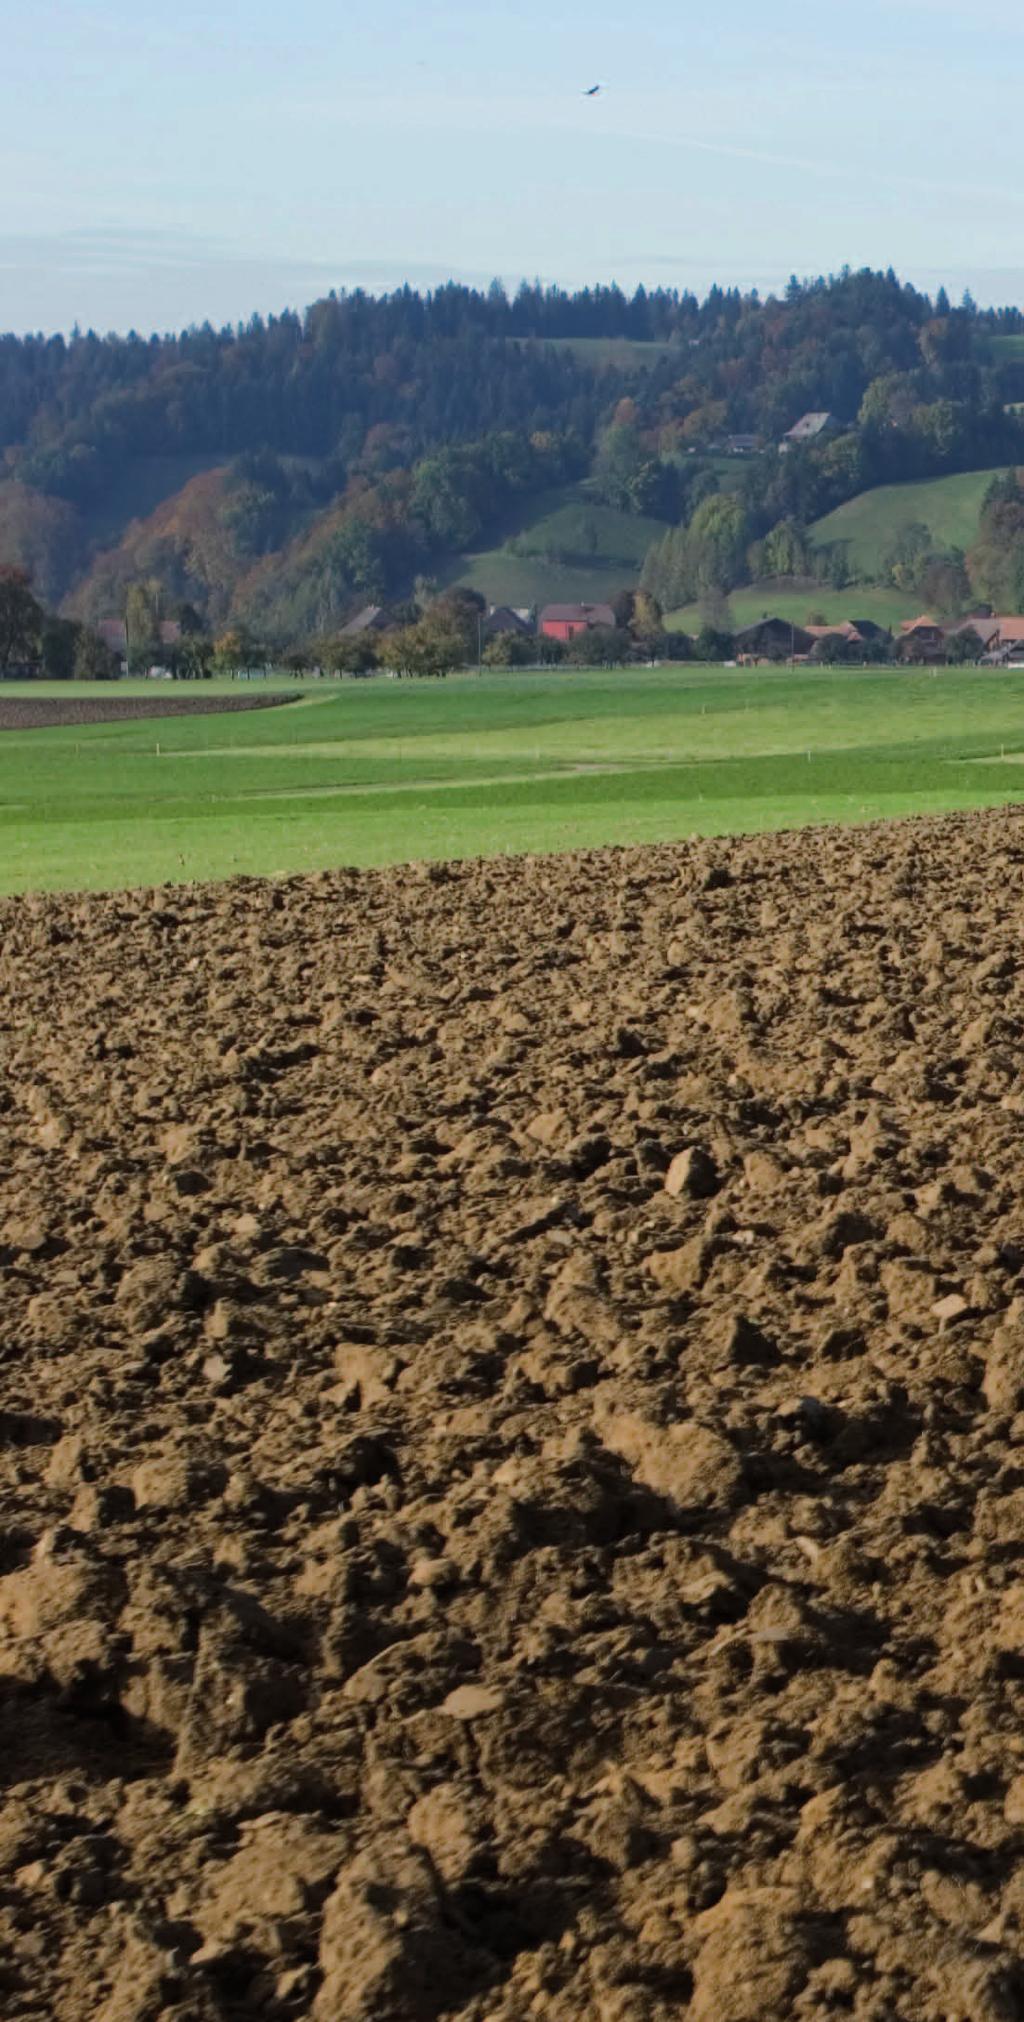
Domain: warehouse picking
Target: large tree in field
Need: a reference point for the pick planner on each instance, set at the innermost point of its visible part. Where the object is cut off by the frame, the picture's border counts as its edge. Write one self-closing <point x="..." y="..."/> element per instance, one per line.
<point x="58" y="642"/>
<point x="94" y="660"/>
<point x="21" y="619"/>
<point x="142" y="624"/>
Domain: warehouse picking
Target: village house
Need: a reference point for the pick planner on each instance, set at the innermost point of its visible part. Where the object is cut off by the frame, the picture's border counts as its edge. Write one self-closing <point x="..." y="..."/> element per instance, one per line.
<point x="1003" y="639"/>
<point x="923" y="639"/>
<point x="985" y="630"/>
<point x="563" y="621"/>
<point x="502" y="619"/>
<point x="810" y="429"/>
<point x="372" y="618"/>
<point x="773" y="639"/>
<point x="857" y="633"/>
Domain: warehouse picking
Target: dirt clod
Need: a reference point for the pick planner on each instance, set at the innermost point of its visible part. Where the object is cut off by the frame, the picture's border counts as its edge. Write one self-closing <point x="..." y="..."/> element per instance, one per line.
<point x="510" y="1427"/>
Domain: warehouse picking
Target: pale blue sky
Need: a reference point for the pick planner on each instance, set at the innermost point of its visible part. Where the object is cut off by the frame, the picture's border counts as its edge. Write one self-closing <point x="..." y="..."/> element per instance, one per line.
<point x="162" y="161"/>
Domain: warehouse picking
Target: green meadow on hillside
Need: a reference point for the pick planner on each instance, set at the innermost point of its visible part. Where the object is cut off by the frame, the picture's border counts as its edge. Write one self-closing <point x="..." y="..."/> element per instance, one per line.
<point x="623" y="354"/>
<point x="506" y="579"/>
<point x="867" y="525"/>
<point x="379" y="772"/>
<point x="797" y="602"/>
<point x="565" y="547"/>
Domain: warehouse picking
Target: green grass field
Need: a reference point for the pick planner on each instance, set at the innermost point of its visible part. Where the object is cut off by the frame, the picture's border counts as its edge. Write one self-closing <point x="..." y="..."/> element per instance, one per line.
<point x="378" y="772"/>
<point x="782" y="600"/>
<point x="948" y="506"/>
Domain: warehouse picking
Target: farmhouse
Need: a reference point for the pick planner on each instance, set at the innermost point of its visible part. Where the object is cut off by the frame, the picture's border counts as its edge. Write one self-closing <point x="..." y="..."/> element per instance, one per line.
<point x="773" y="639"/>
<point x="372" y="618"/>
<point x="868" y="630"/>
<point x="986" y="630"/>
<point x="1005" y="647"/>
<point x="563" y="621"/>
<point x="923" y="639"/>
<point x="856" y="633"/>
<point x="502" y="618"/>
<point x="811" y="428"/>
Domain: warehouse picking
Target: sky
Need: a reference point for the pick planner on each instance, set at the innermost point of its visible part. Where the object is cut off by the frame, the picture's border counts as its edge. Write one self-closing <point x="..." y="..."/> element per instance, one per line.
<point x="165" y="162"/>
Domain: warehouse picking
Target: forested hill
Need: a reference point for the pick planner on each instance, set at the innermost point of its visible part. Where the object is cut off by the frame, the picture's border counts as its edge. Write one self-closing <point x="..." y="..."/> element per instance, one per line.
<point x="283" y="471"/>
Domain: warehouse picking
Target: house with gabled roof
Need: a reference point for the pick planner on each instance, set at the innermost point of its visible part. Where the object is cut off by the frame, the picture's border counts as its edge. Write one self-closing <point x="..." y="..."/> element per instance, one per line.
<point x="563" y="621"/>
<point x="372" y="618"/>
<point x="922" y="639"/>
<point x="986" y="630"/>
<point x="504" y="618"/>
<point x="810" y="429"/>
<point x="773" y="639"/>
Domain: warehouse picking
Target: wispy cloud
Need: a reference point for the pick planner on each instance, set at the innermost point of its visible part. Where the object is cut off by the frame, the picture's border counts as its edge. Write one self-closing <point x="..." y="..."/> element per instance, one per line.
<point x="109" y="278"/>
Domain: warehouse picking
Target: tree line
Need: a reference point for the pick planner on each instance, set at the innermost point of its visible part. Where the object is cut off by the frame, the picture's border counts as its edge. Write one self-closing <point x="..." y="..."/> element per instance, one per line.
<point x="456" y="363"/>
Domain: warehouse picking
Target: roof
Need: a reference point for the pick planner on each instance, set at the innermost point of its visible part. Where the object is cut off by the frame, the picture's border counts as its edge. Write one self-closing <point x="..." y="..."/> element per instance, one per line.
<point x="810" y="425"/>
<point x="987" y="629"/>
<point x="503" y="618"/>
<point x="577" y="614"/>
<point x="775" y="625"/>
<point x="924" y="622"/>
<point x="1011" y="630"/>
<point x="371" y="618"/>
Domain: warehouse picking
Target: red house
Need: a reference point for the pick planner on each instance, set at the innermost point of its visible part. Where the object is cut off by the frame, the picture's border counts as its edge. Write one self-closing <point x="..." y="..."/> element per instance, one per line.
<point x="563" y="621"/>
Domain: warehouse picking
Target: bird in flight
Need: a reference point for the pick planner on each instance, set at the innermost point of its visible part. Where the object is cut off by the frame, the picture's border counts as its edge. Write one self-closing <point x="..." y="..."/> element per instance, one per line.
<point x="592" y="90"/>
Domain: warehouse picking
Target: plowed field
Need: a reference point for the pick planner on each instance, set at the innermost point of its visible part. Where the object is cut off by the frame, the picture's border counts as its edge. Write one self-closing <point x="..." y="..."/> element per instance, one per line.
<point x="513" y="1440"/>
<point x="51" y="712"/>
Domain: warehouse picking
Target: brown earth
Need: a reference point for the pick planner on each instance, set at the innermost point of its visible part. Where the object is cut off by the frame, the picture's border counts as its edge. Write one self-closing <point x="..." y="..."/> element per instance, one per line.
<point x="513" y="1440"/>
<point x="49" y="712"/>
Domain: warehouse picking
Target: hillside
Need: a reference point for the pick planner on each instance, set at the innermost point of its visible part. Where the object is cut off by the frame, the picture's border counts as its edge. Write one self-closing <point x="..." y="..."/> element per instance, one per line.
<point x="183" y="543"/>
<point x="867" y="525"/>
<point x="440" y="437"/>
<point x="563" y="546"/>
<point x="784" y="598"/>
<point x="137" y="489"/>
<point x="42" y="535"/>
<point x="559" y="543"/>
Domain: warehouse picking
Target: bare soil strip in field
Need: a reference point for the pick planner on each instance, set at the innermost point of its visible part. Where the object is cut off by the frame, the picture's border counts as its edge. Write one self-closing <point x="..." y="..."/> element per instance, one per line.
<point x="511" y="1425"/>
<point x="52" y="712"/>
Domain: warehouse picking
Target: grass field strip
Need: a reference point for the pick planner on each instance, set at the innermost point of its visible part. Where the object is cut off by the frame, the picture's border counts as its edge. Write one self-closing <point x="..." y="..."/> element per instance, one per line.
<point x="386" y="772"/>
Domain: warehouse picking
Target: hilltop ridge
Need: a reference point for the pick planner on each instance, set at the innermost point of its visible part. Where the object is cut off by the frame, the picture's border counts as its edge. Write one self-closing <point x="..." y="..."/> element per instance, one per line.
<point x="281" y="472"/>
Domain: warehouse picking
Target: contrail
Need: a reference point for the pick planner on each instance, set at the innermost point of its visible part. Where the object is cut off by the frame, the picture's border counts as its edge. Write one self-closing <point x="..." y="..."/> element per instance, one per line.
<point x="817" y="168"/>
